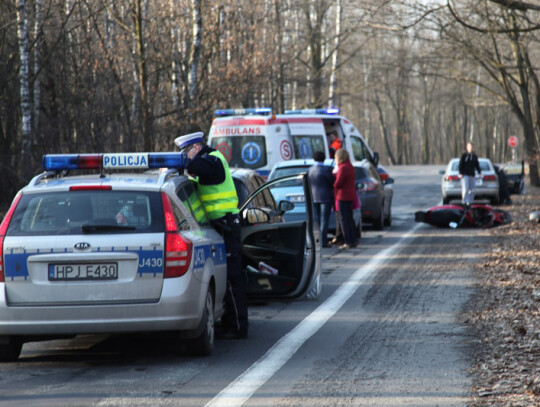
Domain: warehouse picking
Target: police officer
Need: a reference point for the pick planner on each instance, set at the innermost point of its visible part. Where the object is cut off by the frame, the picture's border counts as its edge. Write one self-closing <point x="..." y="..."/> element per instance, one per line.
<point x="218" y="196"/>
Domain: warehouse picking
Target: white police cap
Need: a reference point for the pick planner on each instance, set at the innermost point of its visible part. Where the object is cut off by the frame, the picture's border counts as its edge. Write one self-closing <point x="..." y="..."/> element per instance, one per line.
<point x="184" y="141"/>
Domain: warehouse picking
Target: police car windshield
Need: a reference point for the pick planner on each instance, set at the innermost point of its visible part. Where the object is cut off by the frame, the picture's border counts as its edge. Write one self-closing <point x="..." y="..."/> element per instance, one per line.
<point x="242" y="151"/>
<point x="91" y="211"/>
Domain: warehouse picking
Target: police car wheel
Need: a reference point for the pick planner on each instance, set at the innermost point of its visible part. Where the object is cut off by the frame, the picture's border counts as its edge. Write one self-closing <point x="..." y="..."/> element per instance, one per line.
<point x="203" y="345"/>
<point x="10" y="349"/>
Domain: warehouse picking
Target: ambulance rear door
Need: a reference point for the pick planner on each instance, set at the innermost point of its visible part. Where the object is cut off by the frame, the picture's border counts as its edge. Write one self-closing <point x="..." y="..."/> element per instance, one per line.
<point x="307" y="136"/>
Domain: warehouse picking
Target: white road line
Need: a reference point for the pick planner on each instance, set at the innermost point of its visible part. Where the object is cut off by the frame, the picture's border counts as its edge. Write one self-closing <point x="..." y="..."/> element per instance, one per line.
<point x="241" y="389"/>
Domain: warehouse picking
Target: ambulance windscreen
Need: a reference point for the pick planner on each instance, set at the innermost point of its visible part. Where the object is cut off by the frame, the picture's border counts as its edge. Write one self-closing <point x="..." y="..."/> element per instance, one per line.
<point x="242" y="151"/>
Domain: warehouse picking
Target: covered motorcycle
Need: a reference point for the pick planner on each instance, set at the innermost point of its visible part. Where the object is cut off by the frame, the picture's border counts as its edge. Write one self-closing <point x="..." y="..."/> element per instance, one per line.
<point x="459" y="215"/>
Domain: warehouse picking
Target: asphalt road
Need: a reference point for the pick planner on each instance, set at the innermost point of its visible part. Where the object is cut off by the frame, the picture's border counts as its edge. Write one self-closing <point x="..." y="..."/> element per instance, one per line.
<point x="385" y="332"/>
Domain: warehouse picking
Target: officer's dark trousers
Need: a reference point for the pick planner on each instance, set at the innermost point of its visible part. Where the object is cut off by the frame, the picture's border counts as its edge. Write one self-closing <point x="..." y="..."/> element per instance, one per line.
<point x="236" y="312"/>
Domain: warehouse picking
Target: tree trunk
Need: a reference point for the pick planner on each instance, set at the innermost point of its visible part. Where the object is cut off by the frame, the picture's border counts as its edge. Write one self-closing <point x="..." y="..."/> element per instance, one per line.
<point x="24" y="83"/>
<point x="142" y="73"/>
<point x="527" y="118"/>
<point x="37" y="64"/>
<point x="194" y="54"/>
<point x="333" y="69"/>
<point x="384" y="131"/>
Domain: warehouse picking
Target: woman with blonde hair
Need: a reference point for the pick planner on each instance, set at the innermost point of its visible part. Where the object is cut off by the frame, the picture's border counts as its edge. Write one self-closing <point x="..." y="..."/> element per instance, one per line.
<point x="345" y="195"/>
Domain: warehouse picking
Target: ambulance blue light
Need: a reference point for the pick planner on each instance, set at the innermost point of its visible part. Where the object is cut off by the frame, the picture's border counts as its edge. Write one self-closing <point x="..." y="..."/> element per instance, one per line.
<point x="329" y="110"/>
<point x="248" y="111"/>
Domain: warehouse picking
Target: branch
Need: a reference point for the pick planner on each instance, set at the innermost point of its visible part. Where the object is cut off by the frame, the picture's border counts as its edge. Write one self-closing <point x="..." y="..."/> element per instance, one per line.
<point x="516" y="5"/>
<point x="493" y="31"/>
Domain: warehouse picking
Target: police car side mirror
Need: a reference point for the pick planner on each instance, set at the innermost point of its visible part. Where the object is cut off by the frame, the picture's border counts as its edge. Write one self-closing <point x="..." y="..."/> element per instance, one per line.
<point x="285" y="206"/>
<point x="253" y="216"/>
<point x="389" y="181"/>
<point x="441" y="172"/>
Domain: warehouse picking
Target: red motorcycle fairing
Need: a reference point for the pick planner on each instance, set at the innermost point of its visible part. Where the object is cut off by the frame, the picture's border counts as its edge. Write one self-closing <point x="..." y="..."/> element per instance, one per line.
<point x="456" y="215"/>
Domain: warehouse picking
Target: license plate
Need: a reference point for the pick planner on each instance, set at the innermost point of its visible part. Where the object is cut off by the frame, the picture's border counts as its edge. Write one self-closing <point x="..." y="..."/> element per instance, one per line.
<point x="479" y="182"/>
<point x="296" y="198"/>
<point x="83" y="271"/>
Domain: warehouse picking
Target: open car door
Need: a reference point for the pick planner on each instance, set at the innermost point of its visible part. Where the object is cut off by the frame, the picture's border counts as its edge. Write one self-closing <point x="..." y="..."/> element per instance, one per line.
<point x="281" y="259"/>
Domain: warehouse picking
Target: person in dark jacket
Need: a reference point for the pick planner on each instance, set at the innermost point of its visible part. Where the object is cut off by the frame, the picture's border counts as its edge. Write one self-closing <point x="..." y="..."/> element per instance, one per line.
<point x="467" y="166"/>
<point x="504" y="193"/>
<point x="322" y="188"/>
<point x="345" y="195"/>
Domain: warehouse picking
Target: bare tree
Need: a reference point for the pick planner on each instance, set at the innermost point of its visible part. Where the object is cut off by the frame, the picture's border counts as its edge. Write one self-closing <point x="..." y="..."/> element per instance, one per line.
<point x="24" y="78"/>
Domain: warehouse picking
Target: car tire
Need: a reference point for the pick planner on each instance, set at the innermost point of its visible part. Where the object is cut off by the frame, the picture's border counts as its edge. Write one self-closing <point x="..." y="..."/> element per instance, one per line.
<point x="203" y="345"/>
<point x="11" y="350"/>
<point x="378" y="224"/>
<point x="388" y="219"/>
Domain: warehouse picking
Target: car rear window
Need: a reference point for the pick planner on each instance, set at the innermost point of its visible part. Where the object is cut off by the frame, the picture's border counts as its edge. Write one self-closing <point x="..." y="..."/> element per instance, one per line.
<point x="484" y="166"/>
<point x="284" y="171"/>
<point x="91" y="211"/>
<point x="360" y="173"/>
<point x="242" y="151"/>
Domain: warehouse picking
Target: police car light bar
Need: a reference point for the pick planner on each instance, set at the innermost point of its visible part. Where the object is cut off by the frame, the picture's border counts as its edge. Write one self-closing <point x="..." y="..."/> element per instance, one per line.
<point x="58" y="162"/>
<point x="329" y="110"/>
<point x="248" y="111"/>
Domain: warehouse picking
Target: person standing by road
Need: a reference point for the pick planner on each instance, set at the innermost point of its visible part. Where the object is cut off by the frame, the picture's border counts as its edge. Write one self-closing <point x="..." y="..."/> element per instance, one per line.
<point x="218" y="196"/>
<point x="322" y="185"/>
<point x="467" y="166"/>
<point x="345" y="195"/>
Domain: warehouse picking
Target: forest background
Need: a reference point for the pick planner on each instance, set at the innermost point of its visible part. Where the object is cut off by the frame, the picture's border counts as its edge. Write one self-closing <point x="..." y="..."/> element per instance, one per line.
<point x="418" y="78"/>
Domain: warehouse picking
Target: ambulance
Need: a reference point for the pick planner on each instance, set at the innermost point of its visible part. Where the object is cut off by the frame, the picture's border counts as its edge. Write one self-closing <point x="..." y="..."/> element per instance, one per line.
<point x="349" y="135"/>
<point x="258" y="139"/>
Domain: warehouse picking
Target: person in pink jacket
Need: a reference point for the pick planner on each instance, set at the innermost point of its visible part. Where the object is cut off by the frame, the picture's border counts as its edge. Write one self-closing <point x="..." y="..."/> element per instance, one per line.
<point x="345" y="189"/>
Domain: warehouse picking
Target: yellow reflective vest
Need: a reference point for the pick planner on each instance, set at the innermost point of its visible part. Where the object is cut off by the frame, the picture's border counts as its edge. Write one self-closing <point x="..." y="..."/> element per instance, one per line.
<point x="221" y="198"/>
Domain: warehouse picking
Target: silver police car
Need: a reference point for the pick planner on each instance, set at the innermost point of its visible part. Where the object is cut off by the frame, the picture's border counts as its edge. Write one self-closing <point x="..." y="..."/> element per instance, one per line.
<point x="125" y="250"/>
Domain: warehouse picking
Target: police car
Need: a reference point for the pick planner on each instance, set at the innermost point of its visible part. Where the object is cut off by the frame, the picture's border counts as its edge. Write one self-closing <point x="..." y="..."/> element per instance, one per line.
<point x="117" y="249"/>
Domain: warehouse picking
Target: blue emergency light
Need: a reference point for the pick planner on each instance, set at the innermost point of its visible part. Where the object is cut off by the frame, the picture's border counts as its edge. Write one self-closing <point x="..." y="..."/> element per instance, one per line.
<point x="59" y="162"/>
<point x="248" y="111"/>
<point x="328" y="110"/>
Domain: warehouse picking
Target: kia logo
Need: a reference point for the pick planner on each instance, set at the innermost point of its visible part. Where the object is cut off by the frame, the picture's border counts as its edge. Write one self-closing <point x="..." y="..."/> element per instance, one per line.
<point x="82" y="246"/>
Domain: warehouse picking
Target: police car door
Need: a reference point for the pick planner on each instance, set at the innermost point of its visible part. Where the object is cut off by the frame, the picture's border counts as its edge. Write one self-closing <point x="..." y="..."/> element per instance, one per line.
<point x="280" y="258"/>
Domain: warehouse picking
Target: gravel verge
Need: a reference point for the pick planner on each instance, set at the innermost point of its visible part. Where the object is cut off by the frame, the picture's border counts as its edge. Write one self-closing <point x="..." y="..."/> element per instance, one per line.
<point x="505" y="311"/>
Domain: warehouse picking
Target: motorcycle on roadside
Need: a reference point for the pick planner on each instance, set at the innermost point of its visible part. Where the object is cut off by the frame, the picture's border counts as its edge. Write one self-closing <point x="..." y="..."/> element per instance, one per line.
<point x="461" y="215"/>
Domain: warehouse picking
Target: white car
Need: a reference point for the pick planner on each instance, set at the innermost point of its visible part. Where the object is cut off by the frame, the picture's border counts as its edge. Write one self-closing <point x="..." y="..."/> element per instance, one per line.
<point x="487" y="184"/>
<point x="128" y="251"/>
